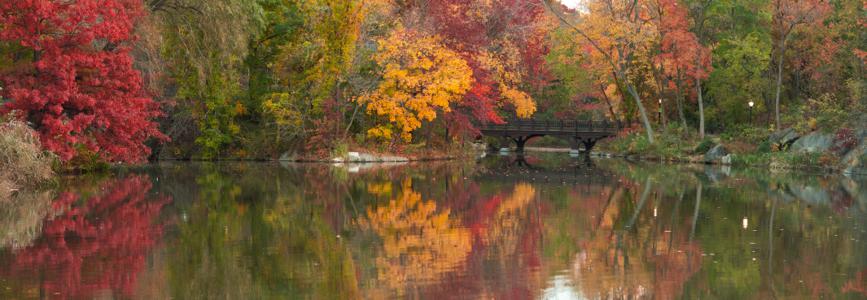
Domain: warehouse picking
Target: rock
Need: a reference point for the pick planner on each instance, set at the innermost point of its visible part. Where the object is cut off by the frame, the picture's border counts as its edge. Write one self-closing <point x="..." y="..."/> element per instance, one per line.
<point x="716" y="153"/>
<point x="367" y="157"/>
<point x="287" y="156"/>
<point x="353" y="156"/>
<point x="783" y="138"/>
<point x="815" y="142"/>
<point x="393" y="159"/>
<point x="855" y="162"/>
<point x="726" y="160"/>
<point x="360" y="157"/>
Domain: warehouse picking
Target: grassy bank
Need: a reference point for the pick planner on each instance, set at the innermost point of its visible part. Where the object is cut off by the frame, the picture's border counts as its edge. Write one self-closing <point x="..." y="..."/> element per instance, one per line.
<point x="748" y="148"/>
<point x="23" y="163"/>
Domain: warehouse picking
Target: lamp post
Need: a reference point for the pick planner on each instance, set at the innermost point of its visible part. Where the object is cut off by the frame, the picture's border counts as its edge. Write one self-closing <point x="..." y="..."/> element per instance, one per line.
<point x="660" y="112"/>
<point x="751" y="111"/>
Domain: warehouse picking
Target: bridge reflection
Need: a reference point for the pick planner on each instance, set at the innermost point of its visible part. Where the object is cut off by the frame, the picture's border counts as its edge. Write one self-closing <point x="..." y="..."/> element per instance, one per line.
<point x="522" y="168"/>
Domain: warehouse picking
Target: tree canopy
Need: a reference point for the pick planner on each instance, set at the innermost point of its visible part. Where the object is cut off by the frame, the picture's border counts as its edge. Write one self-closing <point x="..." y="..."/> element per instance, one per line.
<point x="117" y="79"/>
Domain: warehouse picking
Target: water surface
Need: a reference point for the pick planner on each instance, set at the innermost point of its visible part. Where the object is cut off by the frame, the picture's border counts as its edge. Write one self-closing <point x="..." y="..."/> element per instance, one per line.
<point x="541" y="226"/>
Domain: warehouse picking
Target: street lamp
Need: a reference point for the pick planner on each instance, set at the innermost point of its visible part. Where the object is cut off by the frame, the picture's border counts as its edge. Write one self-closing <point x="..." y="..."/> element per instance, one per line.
<point x="751" y="111"/>
<point x="660" y="111"/>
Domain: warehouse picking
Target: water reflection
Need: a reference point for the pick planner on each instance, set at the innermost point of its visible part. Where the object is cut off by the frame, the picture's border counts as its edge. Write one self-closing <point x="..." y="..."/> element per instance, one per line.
<point x="547" y="226"/>
<point x="99" y="243"/>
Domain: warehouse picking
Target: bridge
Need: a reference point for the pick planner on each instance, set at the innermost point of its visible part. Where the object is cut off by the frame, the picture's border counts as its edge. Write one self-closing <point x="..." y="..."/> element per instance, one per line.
<point x="578" y="132"/>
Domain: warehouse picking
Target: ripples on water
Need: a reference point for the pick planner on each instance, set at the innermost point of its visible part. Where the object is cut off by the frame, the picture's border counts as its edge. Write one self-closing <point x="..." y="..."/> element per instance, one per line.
<point x="545" y="226"/>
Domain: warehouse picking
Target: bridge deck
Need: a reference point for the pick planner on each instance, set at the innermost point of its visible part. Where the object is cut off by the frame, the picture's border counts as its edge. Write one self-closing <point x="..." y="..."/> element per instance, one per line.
<point x="578" y="132"/>
<point x="569" y="127"/>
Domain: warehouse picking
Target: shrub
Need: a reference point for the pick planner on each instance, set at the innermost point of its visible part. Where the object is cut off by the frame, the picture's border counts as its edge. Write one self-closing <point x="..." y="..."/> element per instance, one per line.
<point x="764" y="147"/>
<point x="800" y="160"/>
<point x="704" y="146"/>
<point x="341" y="149"/>
<point x="825" y="112"/>
<point x="22" y="160"/>
<point x="761" y="159"/>
<point x="844" y="140"/>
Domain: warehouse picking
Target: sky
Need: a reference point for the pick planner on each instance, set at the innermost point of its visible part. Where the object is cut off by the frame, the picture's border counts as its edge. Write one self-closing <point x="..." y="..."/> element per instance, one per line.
<point x="570" y="3"/>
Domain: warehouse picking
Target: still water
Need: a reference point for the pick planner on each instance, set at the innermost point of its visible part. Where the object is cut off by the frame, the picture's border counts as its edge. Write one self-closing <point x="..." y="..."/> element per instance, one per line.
<point x="545" y="226"/>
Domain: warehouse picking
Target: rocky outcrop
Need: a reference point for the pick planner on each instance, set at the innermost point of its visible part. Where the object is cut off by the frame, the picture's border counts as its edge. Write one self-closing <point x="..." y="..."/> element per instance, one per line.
<point x="783" y="138"/>
<point x="717" y="154"/>
<point x="815" y="142"/>
<point x="288" y="156"/>
<point x="855" y="162"/>
<point x="354" y="157"/>
<point x="358" y="157"/>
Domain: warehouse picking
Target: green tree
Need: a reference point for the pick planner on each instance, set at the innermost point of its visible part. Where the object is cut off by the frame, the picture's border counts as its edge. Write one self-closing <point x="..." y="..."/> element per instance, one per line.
<point x="313" y="63"/>
<point x="739" y="76"/>
<point x="203" y="46"/>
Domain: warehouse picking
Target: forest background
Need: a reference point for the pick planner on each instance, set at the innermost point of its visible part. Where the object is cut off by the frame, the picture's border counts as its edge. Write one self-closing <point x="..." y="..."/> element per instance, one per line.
<point x="131" y="80"/>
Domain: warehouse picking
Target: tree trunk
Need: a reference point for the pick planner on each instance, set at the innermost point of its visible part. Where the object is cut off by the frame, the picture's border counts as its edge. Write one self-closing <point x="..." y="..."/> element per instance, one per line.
<point x="779" y="85"/>
<point x="680" y="103"/>
<point x="700" y="109"/>
<point x="660" y="86"/>
<point x="610" y="106"/>
<point x="641" y="110"/>
<point x="626" y="114"/>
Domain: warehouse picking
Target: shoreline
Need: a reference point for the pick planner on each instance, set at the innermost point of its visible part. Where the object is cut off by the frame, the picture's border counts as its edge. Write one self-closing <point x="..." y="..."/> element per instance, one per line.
<point x="699" y="160"/>
<point x="362" y="158"/>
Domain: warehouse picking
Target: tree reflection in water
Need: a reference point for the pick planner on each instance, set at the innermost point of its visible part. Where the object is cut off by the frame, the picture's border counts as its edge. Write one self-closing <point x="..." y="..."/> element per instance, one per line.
<point x="100" y="243"/>
<point x="419" y="243"/>
<point x="497" y="229"/>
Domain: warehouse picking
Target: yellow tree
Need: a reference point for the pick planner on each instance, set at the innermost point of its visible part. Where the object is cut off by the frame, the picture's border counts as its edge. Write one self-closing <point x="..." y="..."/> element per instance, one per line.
<point x="617" y="33"/>
<point x="420" y="76"/>
<point x="313" y="61"/>
<point x="505" y="69"/>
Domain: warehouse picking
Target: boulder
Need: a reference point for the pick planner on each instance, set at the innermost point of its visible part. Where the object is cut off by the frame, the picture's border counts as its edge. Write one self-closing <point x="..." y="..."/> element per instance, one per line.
<point x="855" y="162"/>
<point x="353" y="156"/>
<point x="727" y="159"/>
<point x="288" y="156"/>
<point x="361" y="157"/>
<point x="815" y="142"/>
<point x="783" y="138"/>
<point x="716" y="153"/>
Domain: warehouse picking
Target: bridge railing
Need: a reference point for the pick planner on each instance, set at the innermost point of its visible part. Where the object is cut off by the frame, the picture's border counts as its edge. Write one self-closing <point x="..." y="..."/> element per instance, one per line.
<point x="554" y="126"/>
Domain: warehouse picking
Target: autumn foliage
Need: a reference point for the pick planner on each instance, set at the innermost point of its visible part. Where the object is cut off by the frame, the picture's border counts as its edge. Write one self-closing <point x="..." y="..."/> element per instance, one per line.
<point x="420" y="77"/>
<point x="503" y="42"/>
<point x="259" y="79"/>
<point x="73" y="78"/>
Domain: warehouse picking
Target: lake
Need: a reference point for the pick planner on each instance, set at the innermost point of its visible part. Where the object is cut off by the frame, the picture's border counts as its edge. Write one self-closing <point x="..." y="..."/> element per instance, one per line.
<point x="502" y="227"/>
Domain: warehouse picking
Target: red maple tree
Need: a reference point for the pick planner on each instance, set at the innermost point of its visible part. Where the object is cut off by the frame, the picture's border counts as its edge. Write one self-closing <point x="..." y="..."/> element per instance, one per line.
<point x="515" y="21"/>
<point x="76" y="84"/>
<point x="681" y="52"/>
